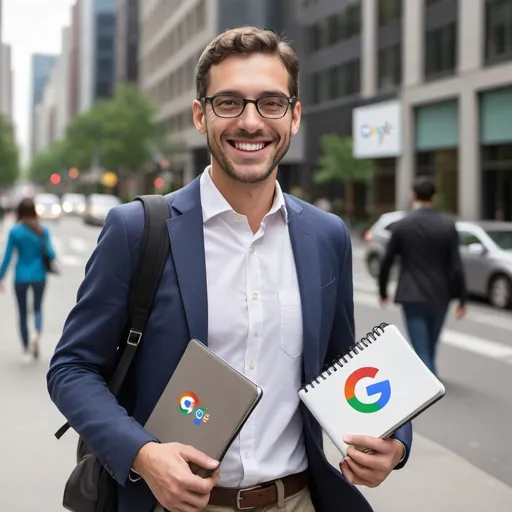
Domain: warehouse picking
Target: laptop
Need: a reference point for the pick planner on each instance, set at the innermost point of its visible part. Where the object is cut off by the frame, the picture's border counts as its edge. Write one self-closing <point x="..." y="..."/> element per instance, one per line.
<point x="205" y="404"/>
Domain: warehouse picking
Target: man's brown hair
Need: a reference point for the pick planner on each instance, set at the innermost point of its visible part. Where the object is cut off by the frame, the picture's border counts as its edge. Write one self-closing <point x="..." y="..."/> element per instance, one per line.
<point x="246" y="41"/>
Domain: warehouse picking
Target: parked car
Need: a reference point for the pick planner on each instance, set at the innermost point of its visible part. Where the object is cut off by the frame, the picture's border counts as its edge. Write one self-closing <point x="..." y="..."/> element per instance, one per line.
<point x="486" y="253"/>
<point x="98" y="206"/>
<point x="48" y="206"/>
<point x="74" y="204"/>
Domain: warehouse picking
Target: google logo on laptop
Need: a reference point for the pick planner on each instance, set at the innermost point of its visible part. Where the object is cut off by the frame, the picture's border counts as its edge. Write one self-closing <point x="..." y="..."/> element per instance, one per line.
<point x="382" y="387"/>
<point x="189" y="403"/>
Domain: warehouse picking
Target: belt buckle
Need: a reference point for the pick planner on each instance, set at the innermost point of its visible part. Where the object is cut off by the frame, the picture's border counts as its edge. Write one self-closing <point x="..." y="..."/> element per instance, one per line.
<point x="239" y="498"/>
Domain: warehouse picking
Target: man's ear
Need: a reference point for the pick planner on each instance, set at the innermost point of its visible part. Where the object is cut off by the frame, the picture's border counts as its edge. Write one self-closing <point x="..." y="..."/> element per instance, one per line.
<point x="296" y="117"/>
<point x="198" y="116"/>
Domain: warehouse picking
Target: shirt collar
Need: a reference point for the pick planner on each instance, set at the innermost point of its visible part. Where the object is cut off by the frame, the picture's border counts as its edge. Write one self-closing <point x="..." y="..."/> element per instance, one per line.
<point x="213" y="202"/>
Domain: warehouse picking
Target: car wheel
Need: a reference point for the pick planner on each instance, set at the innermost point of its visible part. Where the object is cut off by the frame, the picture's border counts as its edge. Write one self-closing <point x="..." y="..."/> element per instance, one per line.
<point x="373" y="264"/>
<point x="500" y="292"/>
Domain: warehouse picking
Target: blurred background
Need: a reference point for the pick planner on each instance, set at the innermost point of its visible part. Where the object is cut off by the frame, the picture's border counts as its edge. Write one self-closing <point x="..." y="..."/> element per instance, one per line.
<point x="95" y="102"/>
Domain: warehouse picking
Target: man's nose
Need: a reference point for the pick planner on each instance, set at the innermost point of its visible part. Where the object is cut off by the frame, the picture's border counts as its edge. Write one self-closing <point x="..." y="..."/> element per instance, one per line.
<point x="250" y="120"/>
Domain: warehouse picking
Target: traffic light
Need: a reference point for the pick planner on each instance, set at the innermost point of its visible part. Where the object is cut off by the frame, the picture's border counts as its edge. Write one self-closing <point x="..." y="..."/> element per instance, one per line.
<point x="74" y="173"/>
<point x="159" y="183"/>
<point x="55" y="178"/>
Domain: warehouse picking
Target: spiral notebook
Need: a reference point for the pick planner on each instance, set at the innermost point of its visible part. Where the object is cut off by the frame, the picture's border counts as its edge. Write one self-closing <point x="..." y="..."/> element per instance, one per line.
<point x="374" y="389"/>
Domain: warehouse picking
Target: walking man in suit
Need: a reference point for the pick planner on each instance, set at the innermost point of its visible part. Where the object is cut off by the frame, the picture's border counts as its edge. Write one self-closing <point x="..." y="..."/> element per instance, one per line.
<point x="262" y="278"/>
<point x="431" y="271"/>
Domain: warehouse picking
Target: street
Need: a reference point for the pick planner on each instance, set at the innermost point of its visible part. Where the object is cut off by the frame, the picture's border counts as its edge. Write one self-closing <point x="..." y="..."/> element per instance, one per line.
<point x="461" y="456"/>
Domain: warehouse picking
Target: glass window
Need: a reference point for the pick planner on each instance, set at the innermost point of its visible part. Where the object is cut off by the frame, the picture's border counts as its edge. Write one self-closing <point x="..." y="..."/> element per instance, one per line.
<point x="441" y="50"/>
<point x="389" y="11"/>
<point x="498" y="29"/>
<point x="428" y="3"/>
<point x="466" y="238"/>
<point x="390" y="67"/>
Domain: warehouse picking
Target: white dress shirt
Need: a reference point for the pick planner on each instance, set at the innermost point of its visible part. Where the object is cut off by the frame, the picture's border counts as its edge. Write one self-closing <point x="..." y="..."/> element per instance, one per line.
<point x="255" y="324"/>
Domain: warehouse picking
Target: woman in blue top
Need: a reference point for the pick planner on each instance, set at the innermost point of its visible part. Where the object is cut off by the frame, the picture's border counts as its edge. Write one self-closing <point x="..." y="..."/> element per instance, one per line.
<point x="26" y="238"/>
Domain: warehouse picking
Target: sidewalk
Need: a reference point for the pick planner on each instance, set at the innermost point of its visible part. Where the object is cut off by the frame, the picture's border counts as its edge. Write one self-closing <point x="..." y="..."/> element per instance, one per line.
<point x="434" y="479"/>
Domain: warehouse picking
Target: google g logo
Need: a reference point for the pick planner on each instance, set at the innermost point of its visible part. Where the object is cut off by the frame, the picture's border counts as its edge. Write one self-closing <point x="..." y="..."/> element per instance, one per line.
<point x="383" y="388"/>
<point x="189" y="403"/>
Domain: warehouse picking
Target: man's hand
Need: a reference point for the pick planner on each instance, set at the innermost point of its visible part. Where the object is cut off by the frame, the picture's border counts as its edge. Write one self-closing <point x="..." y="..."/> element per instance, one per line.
<point x="165" y="469"/>
<point x="372" y="468"/>
<point x="460" y="312"/>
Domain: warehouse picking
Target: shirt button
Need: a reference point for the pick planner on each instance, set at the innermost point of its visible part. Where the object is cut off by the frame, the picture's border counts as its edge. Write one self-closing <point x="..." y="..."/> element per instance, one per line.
<point x="247" y="455"/>
<point x="251" y="366"/>
<point x="251" y="250"/>
<point x="255" y="296"/>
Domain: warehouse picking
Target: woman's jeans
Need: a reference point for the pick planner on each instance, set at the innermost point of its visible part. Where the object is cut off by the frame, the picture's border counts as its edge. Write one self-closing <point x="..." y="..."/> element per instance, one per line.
<point x="21" y="296"/>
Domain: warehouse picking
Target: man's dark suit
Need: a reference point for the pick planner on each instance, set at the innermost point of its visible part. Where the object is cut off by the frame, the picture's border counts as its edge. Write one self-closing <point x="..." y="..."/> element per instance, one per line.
<point x="86" y="351"/>
<point x="431" y="269"/>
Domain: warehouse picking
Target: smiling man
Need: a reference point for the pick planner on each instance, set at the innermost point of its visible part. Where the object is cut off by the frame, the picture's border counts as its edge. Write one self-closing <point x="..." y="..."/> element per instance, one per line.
<point x="263" y="278"/>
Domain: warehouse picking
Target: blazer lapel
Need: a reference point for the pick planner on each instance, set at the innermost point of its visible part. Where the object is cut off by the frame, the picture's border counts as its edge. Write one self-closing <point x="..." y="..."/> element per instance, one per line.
<point x="305" y="250"/>
<point x="187" y="245"/>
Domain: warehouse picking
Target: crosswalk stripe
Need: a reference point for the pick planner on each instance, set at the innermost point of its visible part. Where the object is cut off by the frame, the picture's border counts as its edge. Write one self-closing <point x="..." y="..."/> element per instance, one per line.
<point x="456" y="339"/>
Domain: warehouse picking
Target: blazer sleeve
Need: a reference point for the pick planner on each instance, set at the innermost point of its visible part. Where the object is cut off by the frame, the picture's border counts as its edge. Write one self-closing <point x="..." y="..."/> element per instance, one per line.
<point x="49" y="246"/>
<point x="86" y="352"/>
<point x="392" y="250"/>
<point x="343" y="328"/>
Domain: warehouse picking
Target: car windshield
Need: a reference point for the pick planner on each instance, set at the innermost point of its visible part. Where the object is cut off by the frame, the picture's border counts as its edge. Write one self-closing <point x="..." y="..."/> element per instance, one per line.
<point x="73" y="198"/>
<point x="46" y="199"/>
<point x="503" y="239"/>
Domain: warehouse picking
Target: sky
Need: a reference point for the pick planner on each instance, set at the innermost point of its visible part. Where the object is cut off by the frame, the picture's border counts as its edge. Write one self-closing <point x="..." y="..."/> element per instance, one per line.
<point x="31" y="26"/>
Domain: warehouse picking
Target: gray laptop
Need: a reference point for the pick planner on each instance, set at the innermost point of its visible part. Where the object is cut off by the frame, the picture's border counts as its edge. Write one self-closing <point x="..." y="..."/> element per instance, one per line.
<point x="205" y="403"/>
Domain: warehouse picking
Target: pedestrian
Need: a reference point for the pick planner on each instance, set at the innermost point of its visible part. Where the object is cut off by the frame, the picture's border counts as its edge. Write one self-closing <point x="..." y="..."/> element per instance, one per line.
<point x="431" y="274"/>
<point x="28" y="238"/>
<point x="263" y="278"/>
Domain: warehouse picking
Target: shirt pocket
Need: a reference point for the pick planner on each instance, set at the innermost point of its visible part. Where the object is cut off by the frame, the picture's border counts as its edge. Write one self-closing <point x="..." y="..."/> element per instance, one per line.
<point x="291" y="323"/>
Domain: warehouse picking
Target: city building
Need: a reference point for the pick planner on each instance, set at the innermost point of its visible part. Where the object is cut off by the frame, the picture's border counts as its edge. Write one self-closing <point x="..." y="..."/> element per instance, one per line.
<point x="97" y="35"/>
<point x="448" y="65"/>
<point x="42" y="67"/>
<point x="6" y="82"/>
<point x="74" y="61"/>
<point x="174" y="33"/>
<point x="127" y="41"/>
<point x="46" y="114"/>
<point x="62" y="70"/>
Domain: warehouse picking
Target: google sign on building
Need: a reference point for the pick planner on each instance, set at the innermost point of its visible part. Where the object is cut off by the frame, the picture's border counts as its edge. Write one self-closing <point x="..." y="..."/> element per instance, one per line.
<point x="377" y="130"/>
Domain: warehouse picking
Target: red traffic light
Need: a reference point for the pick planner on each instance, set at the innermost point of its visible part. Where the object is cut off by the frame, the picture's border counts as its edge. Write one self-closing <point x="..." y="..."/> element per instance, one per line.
<point x="55" y="178"/>
<point x="159" y="183"/>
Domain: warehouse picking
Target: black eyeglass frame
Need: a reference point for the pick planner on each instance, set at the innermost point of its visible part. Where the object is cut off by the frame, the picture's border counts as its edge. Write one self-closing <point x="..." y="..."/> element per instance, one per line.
<point x="210" y="99"/>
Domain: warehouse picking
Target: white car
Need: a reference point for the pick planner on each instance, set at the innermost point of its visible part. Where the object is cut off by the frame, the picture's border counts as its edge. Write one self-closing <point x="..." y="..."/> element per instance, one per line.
<point x="98" y="206"/>
<point x="48" y="206"/>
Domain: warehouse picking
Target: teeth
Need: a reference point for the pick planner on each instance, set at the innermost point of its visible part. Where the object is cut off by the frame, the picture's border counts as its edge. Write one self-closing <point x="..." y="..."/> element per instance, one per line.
<point x="245" y="146"/>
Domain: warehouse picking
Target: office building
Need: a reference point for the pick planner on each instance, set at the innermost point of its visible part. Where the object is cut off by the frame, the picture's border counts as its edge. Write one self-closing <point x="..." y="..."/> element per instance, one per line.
<point x="97" y="33"/>
<point x="127" y="41"/>
<point x="174" y="33"/>
<point x="74" y="61"/>
<point x="62" y="70"/>
<point x="6" y="82"/>
<point x="42" y="67"/>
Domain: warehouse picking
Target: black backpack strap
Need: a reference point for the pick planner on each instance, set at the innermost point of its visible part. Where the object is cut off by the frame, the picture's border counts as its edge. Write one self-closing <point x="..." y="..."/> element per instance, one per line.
<point x="154" y="250"/>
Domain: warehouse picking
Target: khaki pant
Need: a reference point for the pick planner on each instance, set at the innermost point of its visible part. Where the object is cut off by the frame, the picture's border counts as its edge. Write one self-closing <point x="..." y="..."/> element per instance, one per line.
<point x="300" y="502"/>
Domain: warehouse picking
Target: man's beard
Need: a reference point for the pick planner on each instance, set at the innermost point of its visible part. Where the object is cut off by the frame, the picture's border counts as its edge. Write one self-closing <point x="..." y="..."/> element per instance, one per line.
<point x="221" y="157"/>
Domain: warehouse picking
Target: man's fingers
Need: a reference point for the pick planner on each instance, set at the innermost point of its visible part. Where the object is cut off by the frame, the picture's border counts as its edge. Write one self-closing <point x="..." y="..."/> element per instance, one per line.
<point x="373" y="443"/>
<point x="364" y="459"/>
<point x="191" y="454"/>
<point x="351" y="476"/>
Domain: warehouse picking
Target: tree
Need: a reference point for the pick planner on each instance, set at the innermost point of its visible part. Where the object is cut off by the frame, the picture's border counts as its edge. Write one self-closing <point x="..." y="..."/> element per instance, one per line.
<point x="45" y="163"/>
<point x="9" y="153"/>
<point x="337" y="164"/>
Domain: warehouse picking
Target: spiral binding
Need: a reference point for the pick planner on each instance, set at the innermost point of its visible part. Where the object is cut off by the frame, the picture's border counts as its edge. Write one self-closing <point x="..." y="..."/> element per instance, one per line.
<point x="341" y="359"/>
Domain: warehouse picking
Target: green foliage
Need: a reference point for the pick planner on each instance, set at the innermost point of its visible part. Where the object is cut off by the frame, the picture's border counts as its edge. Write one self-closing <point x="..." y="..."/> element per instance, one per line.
<point x="120" y="135"/>
<point x="338" y="164"/>
<point x="9" y="154"/>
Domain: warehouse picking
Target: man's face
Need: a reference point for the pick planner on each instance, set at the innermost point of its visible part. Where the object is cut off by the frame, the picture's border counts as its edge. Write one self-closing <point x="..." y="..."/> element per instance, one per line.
<point x="248" y="147"/>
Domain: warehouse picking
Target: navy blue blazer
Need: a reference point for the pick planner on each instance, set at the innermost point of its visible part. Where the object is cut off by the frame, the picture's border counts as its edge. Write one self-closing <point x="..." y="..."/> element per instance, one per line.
<point x="86" y="352"/>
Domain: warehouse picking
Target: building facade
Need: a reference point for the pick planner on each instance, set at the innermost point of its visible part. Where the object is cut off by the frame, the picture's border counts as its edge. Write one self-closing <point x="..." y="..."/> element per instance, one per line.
<point x="63" y="101"/>
<point x="42" y="68"/>
<point x="127" y="41"/>
<point x="6" y="82"/>
<point x="97" y="34"/>
<point x="74" y="61"/>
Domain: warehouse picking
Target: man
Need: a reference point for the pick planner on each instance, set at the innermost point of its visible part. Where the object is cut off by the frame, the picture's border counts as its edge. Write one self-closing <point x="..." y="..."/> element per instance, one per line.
<point x="431" y="271"/>
<point x="262" y="278"/>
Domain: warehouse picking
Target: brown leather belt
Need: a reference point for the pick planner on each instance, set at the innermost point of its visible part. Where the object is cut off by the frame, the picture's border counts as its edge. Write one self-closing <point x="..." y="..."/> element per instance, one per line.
<point x="261" y="495"/>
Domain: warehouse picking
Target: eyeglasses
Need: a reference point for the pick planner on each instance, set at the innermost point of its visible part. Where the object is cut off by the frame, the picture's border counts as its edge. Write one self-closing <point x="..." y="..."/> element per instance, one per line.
<point x="269" y="107"/>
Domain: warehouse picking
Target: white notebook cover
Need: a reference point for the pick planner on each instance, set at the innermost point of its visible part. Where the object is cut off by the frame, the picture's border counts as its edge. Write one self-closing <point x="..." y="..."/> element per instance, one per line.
<point x="391" y="383"/>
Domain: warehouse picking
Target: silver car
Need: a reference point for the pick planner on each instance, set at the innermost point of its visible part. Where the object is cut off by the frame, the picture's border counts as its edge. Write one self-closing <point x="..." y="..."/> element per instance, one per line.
<point x="485" y="248"/>
<point x="48" y="206"/>
<point x="98" y="206"/>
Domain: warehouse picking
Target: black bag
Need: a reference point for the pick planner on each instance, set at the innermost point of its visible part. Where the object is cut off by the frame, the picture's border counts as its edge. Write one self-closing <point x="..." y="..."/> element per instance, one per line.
<point x="48" y="263"/>
<point x="90" y="488"/>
